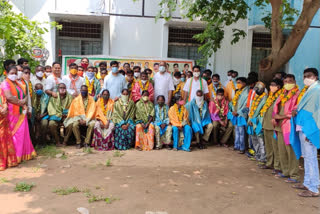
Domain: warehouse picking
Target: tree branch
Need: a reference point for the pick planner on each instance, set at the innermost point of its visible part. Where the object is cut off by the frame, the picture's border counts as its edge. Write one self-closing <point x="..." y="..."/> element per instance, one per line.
<point x="276" y="29"/>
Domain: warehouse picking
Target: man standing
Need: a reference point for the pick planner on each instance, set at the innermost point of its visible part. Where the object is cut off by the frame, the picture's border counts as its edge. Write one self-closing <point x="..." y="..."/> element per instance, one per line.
<point x="229" y="77"/>
<point x="231" y="86"/>
<point x="136" y="72"/>
<point x="194" y="84"/>
<point x="39" y="77"/>
<point x="214" y="86"/>
<point x="47" y="71"/>
<point x="82" y="113"/>
<point x="93" y="83"/>
<point x="54" y="80"/>
<point x="142" y="85"/>
<point x="163" y="83"/>
<point x="126" y="67"/>
<point x="114" y="82"/>
<point x="23" y="62"/>
<point x="304" y="136"/>
<point x="73" y="81"/>
<point x="282" y="112"/>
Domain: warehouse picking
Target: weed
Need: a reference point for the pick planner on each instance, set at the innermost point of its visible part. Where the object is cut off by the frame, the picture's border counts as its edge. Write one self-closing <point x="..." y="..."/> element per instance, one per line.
<point x="108" y="162"/>
<point x="87" y="150"/>
<point x="49" y="151"/>
<point x="23" y="187"/>
<point x="118" y="154"/>
<point x="3" y="180"/>
<point x="64" y="156"/>
<point x="66" y="191"/>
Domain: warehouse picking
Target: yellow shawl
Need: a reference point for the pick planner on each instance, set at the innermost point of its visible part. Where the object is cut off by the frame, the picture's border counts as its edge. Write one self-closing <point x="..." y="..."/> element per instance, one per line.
<point x="174" y="120"/>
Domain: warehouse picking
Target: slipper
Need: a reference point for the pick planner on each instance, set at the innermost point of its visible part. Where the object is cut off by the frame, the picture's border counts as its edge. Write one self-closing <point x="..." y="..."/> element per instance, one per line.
<point x="299" y="186"/>
<point x="275" y="171"/>
<point x="308" y="193"/>
<point x="280" y="175"/>
<point x="291" y="181"/>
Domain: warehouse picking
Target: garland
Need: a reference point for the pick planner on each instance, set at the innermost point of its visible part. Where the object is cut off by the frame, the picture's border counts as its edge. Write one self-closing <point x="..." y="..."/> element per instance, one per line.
<point x="103" y="107"/>
<point x="271" y="98"/>
<point x="164" y="109"/>
<point x="144" y="88"/>
<point x="233" y="86"/>
<point x="180" y="114"/>
<point x="90" y="85"/>
<point x="214" y="89"/>
<point x="30" y="88"/>
<point x="303" y="91"/>
<point x="130" y="86"/>
<point x="177" y="89"/>
<point x="236" y="97"/>
<point x="284" y="98"/>
<point x="221" y="109"/>
<point x="255" y="103"/>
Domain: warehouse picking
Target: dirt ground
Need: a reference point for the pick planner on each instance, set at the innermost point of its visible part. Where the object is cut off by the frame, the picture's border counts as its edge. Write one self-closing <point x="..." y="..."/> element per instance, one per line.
<point x="215" y="180"/>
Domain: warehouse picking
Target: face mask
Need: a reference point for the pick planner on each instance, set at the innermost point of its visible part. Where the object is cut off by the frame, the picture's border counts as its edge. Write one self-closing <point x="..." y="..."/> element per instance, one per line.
<point x="136" y="74"/>
<point x="39" y="92"/>
<point x="161" y="103"/>
<point x="289" y="86"/>
<point x="84" y="93"/>
<point x="73" y="71"/>
<point x="216" y="83"/>
<point x="145" y="98"/>
<point x="85" y="66"/>
<point x="176" y="81"/>
<point x="80" y="73"/>
<point x="124" y="98"/>
<point x="90" y="75"/>
<point x="239" y="86"/>
<point x="229" y="78"/>
<point x="181" y="102"/>
<point x="144" y="81"/>
<point x="105" y="97"/>
<point x="273" y="89"/>
<point x="196" y="74"/>
<point x="48" y="74"/>
<point x="20" y="73"/>
<point x="12" y="77"/>
<point x="308" y="81"/>
<point x="162" y="69"/>
<point x="114" y="70"/>
<point x="206" y="78"/>
<point x="183" y="79"/>
<point x="39" y="74"/>
<point x="199" y="101"/>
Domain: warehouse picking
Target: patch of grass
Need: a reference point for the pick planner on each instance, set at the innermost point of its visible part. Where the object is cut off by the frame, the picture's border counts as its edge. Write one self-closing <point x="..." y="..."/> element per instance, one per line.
<point x="110" y="199"/>
<point x="23" y="187"/>
<point x="64" y="156"/>
<point x="3" y="180"/>
<point x="66" y="191"/>
<point x="118" y="154"/>
<point x="49" y="151"/>
<point x="35" y="169"/>
<point x="87" y="150"/>
<point x="108" y="162"/>
<point x="94" y="198"/>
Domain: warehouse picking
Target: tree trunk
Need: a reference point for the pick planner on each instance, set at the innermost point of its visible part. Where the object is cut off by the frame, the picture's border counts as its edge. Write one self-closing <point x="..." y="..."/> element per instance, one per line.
<point x="282" y="53"/>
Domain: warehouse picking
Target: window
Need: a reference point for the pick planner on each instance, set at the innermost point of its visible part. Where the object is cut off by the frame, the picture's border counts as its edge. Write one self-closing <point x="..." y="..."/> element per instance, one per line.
<point x="79" y="39"/>
<point x="183" y="45"/>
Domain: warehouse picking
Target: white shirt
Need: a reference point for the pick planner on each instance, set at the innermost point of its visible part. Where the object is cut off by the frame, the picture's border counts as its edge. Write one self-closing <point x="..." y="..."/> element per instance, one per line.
<point x="162" y="85"/>
<point x="195" y="87"/>
<point x="66" y="79"/>
<point x="51" y="84"/>
<point x="114" y="84"/>
<point x="35" y="80"/>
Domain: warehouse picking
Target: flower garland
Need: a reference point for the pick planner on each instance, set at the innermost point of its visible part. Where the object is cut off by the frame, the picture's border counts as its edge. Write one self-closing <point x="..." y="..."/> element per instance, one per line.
<point x="90" y="85"/>
<point x="177" y="89"/>
<point x="303" y="91"/>
<point x="255" y="103"/>
<point x="221" y="109"/>
<point x="284" y="98"/>
<point x="213" y="89"/>
<point x="30" y="88"/>
<point x="233" y="86"/>
<point x="144" y="88"/>
<point x="103" y="107"/>
<point x="180" y="114"/>
<point x="271" y="98"/>
<point x="236" y="97"/>
<point x="164" y="109"/>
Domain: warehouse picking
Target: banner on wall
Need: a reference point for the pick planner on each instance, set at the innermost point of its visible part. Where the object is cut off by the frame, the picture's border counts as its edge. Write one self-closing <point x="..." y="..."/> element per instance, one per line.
<point x="143" y="62"/>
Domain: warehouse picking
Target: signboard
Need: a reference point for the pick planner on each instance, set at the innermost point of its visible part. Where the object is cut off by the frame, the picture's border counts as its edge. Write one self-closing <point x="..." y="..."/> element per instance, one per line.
<point x="133" y="61"/>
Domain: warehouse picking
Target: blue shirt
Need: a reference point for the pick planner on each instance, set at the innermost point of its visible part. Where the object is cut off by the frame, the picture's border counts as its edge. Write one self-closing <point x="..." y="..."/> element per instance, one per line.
<point x="114" y="84"/>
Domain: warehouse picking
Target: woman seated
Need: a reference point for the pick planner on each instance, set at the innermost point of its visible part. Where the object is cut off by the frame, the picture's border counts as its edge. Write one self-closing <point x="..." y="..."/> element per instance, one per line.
<point x="103" y="138"/>
<point x="122" y="117"/>
<point x="144" y="125"/>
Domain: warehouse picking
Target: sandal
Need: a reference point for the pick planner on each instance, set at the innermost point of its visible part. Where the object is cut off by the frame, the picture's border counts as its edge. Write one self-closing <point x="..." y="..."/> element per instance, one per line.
<point x="280" y="175"/>
<point x="275" y="171"/>
<point x="299" y="186"/>
<point x="291" y="181"/>
<point x="308" y="193"/>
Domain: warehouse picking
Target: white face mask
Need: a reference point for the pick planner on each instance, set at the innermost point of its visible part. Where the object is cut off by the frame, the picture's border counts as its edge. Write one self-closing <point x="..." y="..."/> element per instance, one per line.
<point x="199" y="101"/>
<point x="229" y="78"/>
<point x="39" y="74"/>
<point x="136" y="74"/>
<point x="48" y="74"/>
<point x="196" y="74"/>
<point x="162" y="69"/>
<point x="308" y="81"/>
<point x="144" y="81"/>
<point x="20" y="73"/>
<point x="12" y="77"/>
<point x="176" y="81"/>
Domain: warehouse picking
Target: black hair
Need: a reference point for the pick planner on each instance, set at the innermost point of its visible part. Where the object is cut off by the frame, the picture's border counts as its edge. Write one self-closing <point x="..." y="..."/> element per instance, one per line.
<point x="283" y="74"/>
<point x="21" y="61"/>
<point x="130" y="72"/>
<point x="7" y="62"/>
<point x="143" y="73"/>
<point x="85" y="58"/>
<point x="220" y="91"/>
<point x="136" y="67"/>
<point x="156" y="64"/>
<point x="122" y="72"/>
<point x="147" y="69"/>
<point x="39" y="66"/>
<point x="158" y="97"/>
<point x="216" y="75"/>
<point x="253" y="74"/>
<point x="196" y="66"/>
<point x="73" y="64"/>
<point x="278" y="82"/>
<point x="290" y="76"/>
<point x="103" y="63"/>
<point x="26" y="68"/>
<point x="104" y="91"/>
<point x="186" y="65"/>
<point x="80" y="67"/>
<point x="84" y="86"/>
<point x="199" y="91"/>
<point x="54" y="63"/>
<point x="252" y="80"/>
<point x="235" y="72"/>
<point x="126" y="63"/>
<point x="12" y="67"/>
<point x="61" y="84"/>
<point x="189" y="72"/>
<point x="90" y="67"/>
<point x="208" y="71"/>
<point x="145" y="91"/>
<point x="48" y="66"/>
<point x="312" y="70"/>
<point x="242" y="79"/>
<point x="177" y="74"/>
<point x="125" y="89"/>
<point x="230" y="71"/>
<point x="175" y="64"/>
<point x="114" y="63"/>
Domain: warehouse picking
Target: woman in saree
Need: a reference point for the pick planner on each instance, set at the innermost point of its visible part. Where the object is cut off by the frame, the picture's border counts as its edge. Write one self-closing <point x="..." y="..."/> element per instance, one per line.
<point x="8" y="156"/>
<point x="17" y="115"/>
<point x="103" y="138"/>
<point x="122" y="117"/>
<point x="144" y="124"/>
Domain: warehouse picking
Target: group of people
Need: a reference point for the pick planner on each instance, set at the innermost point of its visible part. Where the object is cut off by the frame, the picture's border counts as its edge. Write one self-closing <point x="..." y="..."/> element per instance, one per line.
<point x="152" y="109"/>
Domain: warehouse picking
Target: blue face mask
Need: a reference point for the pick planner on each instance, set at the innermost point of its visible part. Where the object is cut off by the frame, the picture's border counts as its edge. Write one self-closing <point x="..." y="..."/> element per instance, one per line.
<point x="183" y="79"/>
<point x="39" y="92"/>
<point x="90" y="75"/>
<point x="84" y="93"/>
<point x="114" y="70"/>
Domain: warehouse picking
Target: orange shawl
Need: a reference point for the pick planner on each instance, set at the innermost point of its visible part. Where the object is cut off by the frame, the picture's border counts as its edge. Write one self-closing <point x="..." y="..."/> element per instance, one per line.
<point x="100" y="115"/>
<point x="173" y="117"/>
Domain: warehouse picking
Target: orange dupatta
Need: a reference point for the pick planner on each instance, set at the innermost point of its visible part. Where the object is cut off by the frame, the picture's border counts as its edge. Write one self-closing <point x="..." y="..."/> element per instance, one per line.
<point x="77" y="108"/>
<point x="173" y="117"/>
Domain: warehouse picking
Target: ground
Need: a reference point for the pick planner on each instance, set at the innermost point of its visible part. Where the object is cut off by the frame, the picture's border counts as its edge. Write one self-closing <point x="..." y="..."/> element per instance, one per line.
<point x="216" y="180"/>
